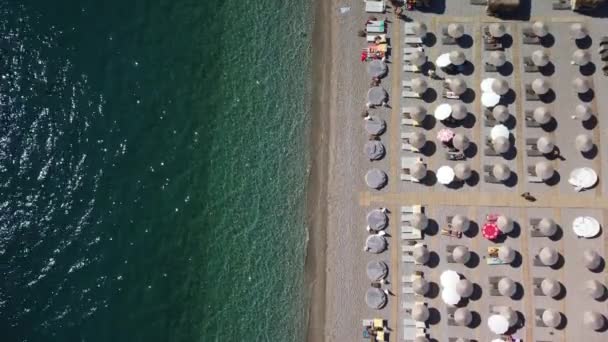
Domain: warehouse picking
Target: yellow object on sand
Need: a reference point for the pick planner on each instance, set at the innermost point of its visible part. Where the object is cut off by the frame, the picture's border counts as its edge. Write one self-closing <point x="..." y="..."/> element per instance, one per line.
<point x="380" y="336"/>
<point x="378" y="323"/>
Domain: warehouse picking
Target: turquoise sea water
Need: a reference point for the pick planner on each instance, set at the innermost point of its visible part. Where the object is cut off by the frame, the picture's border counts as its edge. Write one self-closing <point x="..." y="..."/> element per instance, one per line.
<point x="152" y="170"/>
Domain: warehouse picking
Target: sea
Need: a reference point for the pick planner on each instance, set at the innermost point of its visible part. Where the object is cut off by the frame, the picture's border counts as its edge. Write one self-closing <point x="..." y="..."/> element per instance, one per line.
<point x="154" y="170"/>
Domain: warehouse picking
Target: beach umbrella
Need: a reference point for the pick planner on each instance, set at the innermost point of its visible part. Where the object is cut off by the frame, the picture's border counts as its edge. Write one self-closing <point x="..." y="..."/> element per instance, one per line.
<point x="375" y="298"/>
<point x="376" y="270"/>
<point x="457" y="57"/>
<point x="550" y="287"/>
<point x="420" y="286"/>
<point x="595" y="289"/>
<point x="457" y="85"/>
<point x="374" y="149"/>
<point x="578" y="31"/>
<point x="464" y="288"/>
<point x="460" y="141"/>
<point x="417" y="139"/>
<point x="501" y="172"/>
<point x="499" y="130"/>
<point x="501" y="145"/>
<point x="540" y="28"/>
<point x="459" y="111"/>
<point x="421" y="254"/>
<point x="418" y="171"/>
<point x="462" y="316"/>
<point x="547" y="226"/>
<point x="581" y="57"/>
<point x="376" y="96"/>
<point x="551" y="318"/>
<point x="417" y="113"/>
<point x="548" y="256"/>
<point x="541" y="86"/>
<point x="584" y="143"/>
<point x="510" y="314"/>
<point x="507" y="287"/>
<point x="582" y="112"/>
<point x="445" y="135"/>
<point x="581" y="85"/>
<point x="419" y="85"/>
<point x="460" y="223"/>
<point x="498" y="324"/>
<point x="377" y="219"/>
<point x="375" y="244"/>
<point x="545" y="145"/>
<point x="505" y="224"/>
<point x="542" y="115"/>
<point x="461" y="254"/>
<point x="445" y="175"/>
<point x="506" y="254"/>
<point x="497" y="30"/>
<point x="462" y="171"/>
<point x="417" y="58"/>
<point x="419" y="29"/>
<point x="591" y="259"/>
<point x="455" y="30"/>
<point x="420" y="312"/>
<point x="419" y="220"/>
<point x="501" y="113"/>
<point x="375" y="178"/>
<point x="540" y="58"/>
<point x="500" y="86"/>
<point x="377" y="68"/>
<point x="497" y="58"/>
<point x="489" y="99"/>
<point x="544" y="170"/>
<point x="593" y="320"/>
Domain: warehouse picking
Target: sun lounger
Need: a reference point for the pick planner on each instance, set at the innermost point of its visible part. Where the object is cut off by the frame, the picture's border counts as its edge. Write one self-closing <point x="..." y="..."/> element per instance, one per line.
<point x="529" y="65"/>
<point x="410" y="50"/>
<point x="409" y="147"/>
<point x="530" y="94"/>
<point x="409" y="29"/>
<point x="536" y="286"/>
<point x="445" y="37"/>
<point x="409" y="122"/>
<point x="604" y="40"/>
<point x="559" y="5"/>
<point x="529" y="37"/>
<point x="536" y="261"/>
<point x="411" y="68"/>
<point x="538" y="318"/>
<point x="529" y="118"/>
<point x="532" y="151"/>
<point x="407" y="162"/>
<point x="406" y="83"/>
<point x="492" y="46"/>
<point x="451" y="233"/>
<point x="412" y="209"/>
<point x="487" y="67"/>
<point x="410" y="94"/>
<point x="450" y="95"/>
<point x="406" y="177"/>
<point x="416" y="41"/>
<point x="372" y="37"/>
<point x="489" y="120"/>
<point x="416" y="234"/>
<point x="374" y="6"/>
<point x="532" y="177"/>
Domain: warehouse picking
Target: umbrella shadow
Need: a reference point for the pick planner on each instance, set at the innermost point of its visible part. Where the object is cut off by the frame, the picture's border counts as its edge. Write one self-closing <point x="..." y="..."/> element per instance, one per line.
<point x="433" y="291"/>
<point x="511" y="153"/>
<point x="475" y="320"/>
<point x="559" y="264"/>
<point x="517" y="261"/>
<point x="512" y="180"/>
<point x="547" y="41"/>
<point x="473" y="229"/>
<point x="587" y="69"/>
<point x="547" y="70"/>
<point x="550" y="126"/>
<point x="477" y="292"/>
<point x="430" y="95"/>
<point x="430" y="39"/>
<point x="599" y="268"/>
<point x="516" y="231"/>
<point x="508" y="98"/>
<point x="549" y="97"/>
<point x="506" y="41"/>
<point x="428" y="149"/>
<point x="432" y="228"/>
<point x="591" y="123"/>
<point x="430" y="179"/>
<point x="473" y="180"/>
<point x="473" y="260"/>
<point x="562" y="292"/>
<point x="592" y="153"/>
<point x="564" y="322"/>
<point x="584" y="43"/>
<point x="471" y="151"/>
<point x="511" y="122"/>
<point x="505" y="69"/>
<point x="434" y="316"/>
<point x="468" y="121"/>
<point x="433" y="260"/>
<point x="465" y="42"/>
<point x="559" y="233"/>
<point x="468" y="96"/>
<point x="467" y="68"/>
<point x="554" y="180"/>
<point x="519" y="292"/>
<point x="588" y="96"/>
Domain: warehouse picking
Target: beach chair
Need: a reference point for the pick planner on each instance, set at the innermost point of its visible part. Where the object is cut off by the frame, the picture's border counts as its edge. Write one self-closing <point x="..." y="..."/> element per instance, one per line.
<point x="529" y="65"/>
<point x="532" y="176"/>
<point x="529" y="118"/>
<point x="479" y="2"/>
<point x="530" y="94"/>
<point x="406" y="83"/>
<point x="410" y="94"/>
<point x="451" y="233"/>
<point x="445" y="37"/>
<point x="409" y="29"/>
<point x="493" y="285"/>
<point x="410" y="50"/>
<point x="536" y="286"/>
<point x="529" y="37"/>
<point x="414" y="41"/>
<point x="560" y="5"/>
<point x="538" y="318"/>
<point x="412" y="209"/>
<point x="375" y="6"/>
<point x="411" y="68"/>
<point x="450" y="95"/>
<point x="372" y="37"/>
<point x="407" y="290"/>
<point x="492" y="46"/>
<point x="455" y="155"/>
<point x="487" y="67"/>
<point x="408" y="147"/>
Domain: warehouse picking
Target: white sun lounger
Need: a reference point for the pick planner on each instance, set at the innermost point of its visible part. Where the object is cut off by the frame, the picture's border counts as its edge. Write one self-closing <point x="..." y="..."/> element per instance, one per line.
<point x="410" y="50"/>
<point x="412" y="40"/>
<point x="375" y="28"/>
<point x="411" y="209"/>
<point x="408" y="178"/>
<point x="409" y="147"/>
<point x="410" y="94"/>
<point x="411" y="68"/>
<point x="374" y="6"/>
<point x="372" y="37"/>
<point x="409" y="29"/>
<point x="407" y="162"/>
<point x="409" y="122"/>
<point x="406" y="83"/>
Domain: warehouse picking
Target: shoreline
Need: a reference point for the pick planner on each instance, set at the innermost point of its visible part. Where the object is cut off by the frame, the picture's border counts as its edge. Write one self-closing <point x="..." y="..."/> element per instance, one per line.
<point x="315" y="262"/>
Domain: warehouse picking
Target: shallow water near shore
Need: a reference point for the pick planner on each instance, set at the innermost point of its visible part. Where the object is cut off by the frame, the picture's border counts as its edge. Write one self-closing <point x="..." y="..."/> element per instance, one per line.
<point x="153" y="170"/>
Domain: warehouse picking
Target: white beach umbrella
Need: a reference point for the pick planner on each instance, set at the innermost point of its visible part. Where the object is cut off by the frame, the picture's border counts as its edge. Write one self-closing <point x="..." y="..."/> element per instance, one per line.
<point x="459" y="111"/>
<point x="445" y="175"/>
<point x="581" y="57"/>
<point x="541" y="86"/>
<point x="545" y="144"/>
<point x="594" y="289"/>
<point x="457" y="85"/>
<point x="507" y="287"/>
<point x="460" y="223"/>
<point x="593" y="320"/>
<point x="489" y="99"/>
<point x="581" y="85"/>
<point x="421" y="254"/>
<point x="578" y="31"/>
<point x="417" y="58"/>
<point x="550" y="287"/>
<point x="592" y="259"/>
<point x="461" y="254"/>
<point x="419" y="85"/>
<point x="417" y="113"/>
<point x="420" y="286"/>
<point x="506" y="254"/>
<point x="500" y="86"/>
<point x="460" y="141"/>
<point x="540" y="28"/>
<point x="463" y="317"/>
<point x="547" y="226"/>
<point x="548" y="256"/>
<point x="418" y="171"/>
<point x="544" y="170"/>
<point x="464" y="288"/>
<point x="501" y="145"/>
<point x="542" y="115"/>
<point x="455" y="30"/>
<point x="505" y="224"/>
<point x="498" y="324"/>
<point x="417" y="139"/>
<point x="501" y="113"/>
<point x="420" y="312"/>
<point x="457" y="57"/>
<point x="497" y="30"/>
<point x="501" y="172"/>
<point x="420" y="29"/>
<point x="540" y="58"/>
<point x="551" y="318"/>
<point x="584" y="143"/>
<point x="582" y="112"/>
<point x="497" y="58"/>
<point x="419" y="221"/>
<point x="463" y="171"/>
<point x="450" y="296"/>
<point x="510" y="314"/>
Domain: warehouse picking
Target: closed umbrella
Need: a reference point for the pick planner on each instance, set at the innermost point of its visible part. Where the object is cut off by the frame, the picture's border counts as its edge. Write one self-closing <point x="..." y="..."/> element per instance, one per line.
<point x="551" y="318"/>
<point x="419" y="85"/>
<point x="506" y="254"/>
<point x="550" y="287"/>
<point x="421" y="254"/>
<point x="464" y="288"/>
<point x="544" y="170"/>
<point x="584" y="143"/>
<point x="462" y="171"/>
<point x="581" y="57"/>
<point x="455" y="30"/>
<point x="419" y="221"/>
<point x="460" y="223"/>
<point x="591" y="259"/>
<point x="581" y="85"/>
<point x="582" y="112"/>
<point x="510" y="314"/>
<point x="497" y="30"/>
<point x="501" y="172"/>
<point x="420" y="312"/>
<point x="505" y="224"/>
<point x="417" y="58"/>
<point x="497" y="58"/>
<point x="417" y="139"/>
<point x="501" y="145"/>
<point x="419" y="29"/>
<point x="461" y="254"/>
<point x="501" y="113"/>
<point x="578" y="31"/>
<point x="540" y="28"/>
<point x="548" y="256"/>
<point x="547" y="226"/>
<point x="457" y="57"/>
<point x="595" y="289"/>
<point x="457" y="85"/>
<point x="540" y="58"/>
<point x="459" y="111"/>
<point x="542" y="115"/>
<point x="462" y="316"/>
<point x="541" y="86"/>
<point x="507" y="287"/>
<point x="545" y="145"/>
<point x="500" y="86"/>
<point x="460" y="141"/>
<point x="418" y="171"/>
<point x="420" y="286"/>
<point x="593" y="320"/>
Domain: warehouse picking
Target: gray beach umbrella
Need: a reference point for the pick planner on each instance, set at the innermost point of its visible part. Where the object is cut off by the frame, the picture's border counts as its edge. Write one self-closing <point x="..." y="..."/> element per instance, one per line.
<point x="507" y="287"/>
<point x="501" y="144"/>
<point x="464" y="288"/>
<point x="462" y="171"/>
<point x="501" y="113"/>
<point x="583" y="112"/>
<point x="459" y="111"/>
<point x="506" y="254"/>
<point x="497" y="30"/>
<point x="578" y="31"/>
<point x="457" y="57"/>
<point x="374" y="149"/>
<point x="581" y="57"/>
<point x="540" y="58"/>
<point x="419" y="221"/>
<point x="457" y="85"/>
<point x="376" y="270"/>
<point x="420" y="286"/>
<point x="419" y="85"/>
<point x="548" y="256"/>
<point x="461" y="254"/>
<point x="595" y="289"/>
<point x="591" y="259"/>
<point x="550" y="287"/>
<point x="581" y="85"/>
<point x="417" y="139"/>
<point x="584" y="143"/>
<point x="544" y="170"/>
<point x="551" y="318"/>
<point x="418" y="171"/>
<point x="377" y="68"/>
<point x="460" y="141"/>
<point x="419" y="29"/>
<point x="542" y="115"/>
<point x="501" y="172"/>
<point x="418" y="58"/>
<point x="462" y="316"/>
<point x="455" y="30"/>
<point x="497" y="58"/>
<point x="510" y="314"/>
<point x="375" y="125"/>
<point x="375" y="178"/>
<point x="500" y="86"/>
<point x="421" y="254"/>
<point x="375" y="243"/>
<point x="460" y="223"/>
<point x="541" y="86"/>
<point x="504" y="223"/>
<point x="593" y="320"/>
<point x="540" y="28"/>
<point x="377" y="219"/>
<point x="418" y="113"/>
<point x="547" y="226"/>
<point x="421" y="339"/>
<point x="376" y="95"/>
<point x="420" y="312"/>
<point x="545" y="145"/>
<point x="375" y="298"/>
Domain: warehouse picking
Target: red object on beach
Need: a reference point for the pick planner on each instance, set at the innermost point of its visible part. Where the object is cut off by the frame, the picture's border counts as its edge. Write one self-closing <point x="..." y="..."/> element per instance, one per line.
<point x="363" y="56"/>
<point x="445" y="135"/>
<point x="490" y="231"/>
